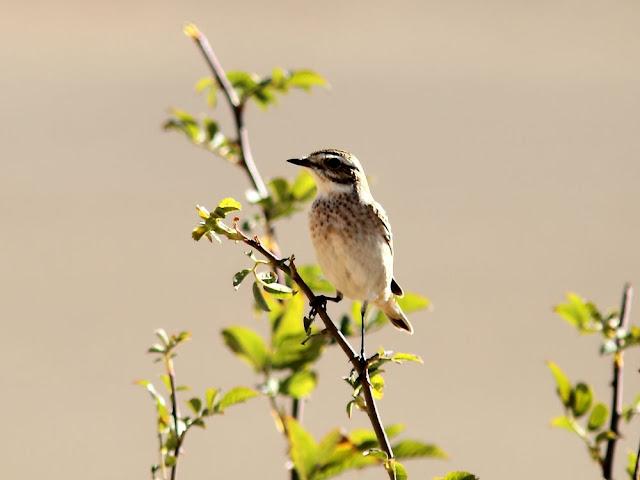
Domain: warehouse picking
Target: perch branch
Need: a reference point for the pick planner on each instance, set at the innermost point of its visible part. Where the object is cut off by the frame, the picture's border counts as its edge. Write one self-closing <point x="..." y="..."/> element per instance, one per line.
<point x="359" y="364"/>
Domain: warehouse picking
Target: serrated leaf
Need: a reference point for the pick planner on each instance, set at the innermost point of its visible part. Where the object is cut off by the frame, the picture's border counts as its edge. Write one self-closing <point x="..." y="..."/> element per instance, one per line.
<point x="598" y="417"/>
<point x="563" y="385"/>
<point x="416" y="449"/>
<point x="234" y="396"/>
<point x="304" y="449"/>
<point x="248" y="345"/>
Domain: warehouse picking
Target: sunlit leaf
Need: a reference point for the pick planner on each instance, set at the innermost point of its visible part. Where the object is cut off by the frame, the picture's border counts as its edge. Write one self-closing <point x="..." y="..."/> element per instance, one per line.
<point x="415" y="449"/>
<point x="304" y="449"/>
<point x="300" y="384"/>
<point x="458" y="476"/>
<point x="563" y="384"/>
<point x="248" y="345"/>
<point x="234" y="396"/>
<point x="581" y="398"/>
<point x="598" y="417"/>
<point x="412" y="302"/>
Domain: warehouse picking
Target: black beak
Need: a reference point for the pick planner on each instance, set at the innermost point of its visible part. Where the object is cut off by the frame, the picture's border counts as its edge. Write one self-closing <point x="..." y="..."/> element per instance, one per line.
<point x="302" y="162"/>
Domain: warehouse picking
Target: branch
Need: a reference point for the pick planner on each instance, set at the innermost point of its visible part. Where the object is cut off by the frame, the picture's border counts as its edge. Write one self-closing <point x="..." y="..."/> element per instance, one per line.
<point x="636" y="469"/>
<point x="174" y="411"/>
<point x="617" y="386"/>
<point x="359" y="365"/>
<point x="236" y="106"/>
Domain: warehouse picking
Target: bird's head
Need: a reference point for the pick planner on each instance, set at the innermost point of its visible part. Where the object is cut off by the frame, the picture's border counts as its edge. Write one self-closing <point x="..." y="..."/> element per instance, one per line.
<point x="335" y="170"/>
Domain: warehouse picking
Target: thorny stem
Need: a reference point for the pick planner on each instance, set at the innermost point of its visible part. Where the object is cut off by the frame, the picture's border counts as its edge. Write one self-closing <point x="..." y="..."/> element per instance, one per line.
<point x="246" y="156"/>
<point x="359" y="364"/>
<point x="174" y="411"/>
<point x="237" y="108"/>
<point x="617" y="387"/>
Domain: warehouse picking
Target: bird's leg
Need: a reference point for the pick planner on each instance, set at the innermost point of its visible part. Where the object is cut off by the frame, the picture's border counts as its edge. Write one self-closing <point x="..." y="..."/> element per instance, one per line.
<point x="363" y="313"/>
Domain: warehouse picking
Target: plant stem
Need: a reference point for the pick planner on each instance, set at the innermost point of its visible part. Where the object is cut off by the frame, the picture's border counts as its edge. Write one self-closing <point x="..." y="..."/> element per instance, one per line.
<point x="359" y="364"/>
<point x="617" y="387"/>
<point x="247" y="162"/>
<point x="237" y="108"/>
<point x="174" y="411"/>
<point x="636" y="469"/>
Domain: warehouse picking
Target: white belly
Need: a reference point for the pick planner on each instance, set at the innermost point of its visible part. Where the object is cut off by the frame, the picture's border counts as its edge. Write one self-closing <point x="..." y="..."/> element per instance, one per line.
<point x="359" y="264"/>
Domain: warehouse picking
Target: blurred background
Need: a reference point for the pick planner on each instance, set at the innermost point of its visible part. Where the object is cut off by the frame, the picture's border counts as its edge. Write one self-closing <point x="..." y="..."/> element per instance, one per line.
<point x="501" y="137"/>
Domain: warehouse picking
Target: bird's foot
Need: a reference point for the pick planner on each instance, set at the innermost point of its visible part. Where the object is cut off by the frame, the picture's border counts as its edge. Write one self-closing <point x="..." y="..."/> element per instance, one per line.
<point x="319" y="303"/>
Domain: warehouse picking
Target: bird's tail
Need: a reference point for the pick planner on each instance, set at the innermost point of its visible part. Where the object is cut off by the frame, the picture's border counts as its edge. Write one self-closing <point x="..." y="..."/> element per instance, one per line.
<point x="395" y="314"/>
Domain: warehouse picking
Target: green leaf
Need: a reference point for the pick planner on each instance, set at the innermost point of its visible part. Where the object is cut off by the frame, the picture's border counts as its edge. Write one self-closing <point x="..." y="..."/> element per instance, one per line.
<point x="562" y="383"/>
<point x="287" y="322"/>
<point x="226" y="206"/>
<point x="248" y="345"/>
<point x="416" y="448"/>
<point x="581" y="398"/>
<point x="234" y="396"/>
<point x="377" y="384"/>
<point x="394" y="429"/>
<point x="196" y="405"/>
<point x="569" y="424"/>
<point x="578" y="313"/>
<point x="305" y="79"/>
<point x="240" y="276"/>
<point x="376" y="453"/>
<point x="278" y="290"/>
<point x="598" y="417"/>
<point x="412" y="302"/>
<point x="162" y="335"/>
<point x="312" y="276"/>
<point x="258" y="297"/>
<point x="328" y="445"/>
<point x="304" y="187"/>
<point x="291" y="354"/>
<point x="458" y="476"/>
<point x="397" y="469"/>
<point x="210" y="397"/>
<point x="304" y="450"/>
<point x="300" y="384"/>
<point x="631" y="410"/>
<point x="631" y="464"/>
<point x="400" y="357"/>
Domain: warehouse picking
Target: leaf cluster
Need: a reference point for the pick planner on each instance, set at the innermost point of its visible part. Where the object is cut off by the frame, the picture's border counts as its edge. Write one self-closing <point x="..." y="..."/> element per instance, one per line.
<point x="338" y="451"/>
<point x="172" y="426"/>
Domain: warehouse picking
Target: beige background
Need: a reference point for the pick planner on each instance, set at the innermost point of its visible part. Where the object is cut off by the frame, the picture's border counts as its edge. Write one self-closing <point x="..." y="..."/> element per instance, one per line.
<point x="503" y="141"/>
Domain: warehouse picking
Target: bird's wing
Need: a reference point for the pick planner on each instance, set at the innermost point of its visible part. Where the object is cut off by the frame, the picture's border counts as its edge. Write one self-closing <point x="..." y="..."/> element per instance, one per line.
<point x="380" y="215"/>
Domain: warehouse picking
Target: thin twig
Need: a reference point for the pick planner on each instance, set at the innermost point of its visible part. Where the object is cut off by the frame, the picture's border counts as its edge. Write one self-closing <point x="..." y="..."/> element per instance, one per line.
<point x="359" y="365"/>
<point x="617" y="386"/>
<point x="174" y="412"/>
<point x="247" y="162"/>
<point x="636" y="469"/>
<point x="237" y="108"/>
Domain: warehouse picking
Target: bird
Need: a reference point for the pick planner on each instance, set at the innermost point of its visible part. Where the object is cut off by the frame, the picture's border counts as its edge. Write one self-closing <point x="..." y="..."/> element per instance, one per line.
<point x="352" y="236"/>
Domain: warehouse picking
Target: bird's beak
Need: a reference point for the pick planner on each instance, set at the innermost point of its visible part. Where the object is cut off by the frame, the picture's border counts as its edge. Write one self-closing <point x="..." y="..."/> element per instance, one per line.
<point x="302" y="162"/>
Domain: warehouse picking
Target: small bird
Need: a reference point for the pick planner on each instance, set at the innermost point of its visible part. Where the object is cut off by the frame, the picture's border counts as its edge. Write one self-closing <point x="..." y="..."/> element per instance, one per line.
<point x="352" y="236"/>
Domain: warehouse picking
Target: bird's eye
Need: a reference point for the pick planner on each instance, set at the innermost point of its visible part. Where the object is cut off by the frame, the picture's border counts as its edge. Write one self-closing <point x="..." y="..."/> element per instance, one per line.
<point x="332" y="162"/>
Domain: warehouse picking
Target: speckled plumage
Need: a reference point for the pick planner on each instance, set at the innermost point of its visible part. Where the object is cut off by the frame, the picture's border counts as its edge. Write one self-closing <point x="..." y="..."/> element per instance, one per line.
<point x="351" y="234"/>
